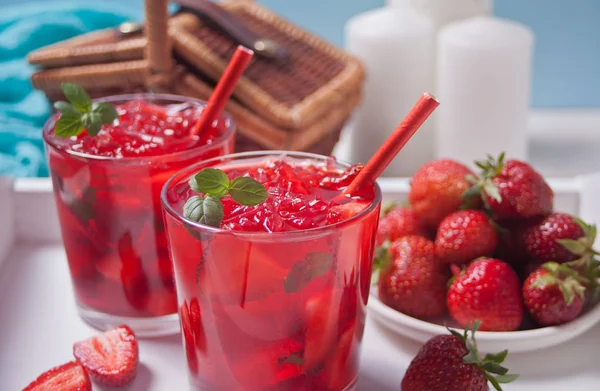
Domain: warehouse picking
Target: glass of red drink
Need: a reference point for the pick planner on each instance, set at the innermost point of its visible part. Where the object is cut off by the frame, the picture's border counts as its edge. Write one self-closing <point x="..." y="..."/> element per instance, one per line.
<point x="107" y="192"/>
<point x="275" y="298"/>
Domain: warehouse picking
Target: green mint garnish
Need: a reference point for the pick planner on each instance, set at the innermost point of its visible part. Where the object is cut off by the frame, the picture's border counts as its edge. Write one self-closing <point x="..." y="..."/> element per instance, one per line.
<point x="315" y="264"/>
<point x="207" y="210"/>
<point x="215" y="185"/>
<point x="81" y="113"/>
<point x="211" y="181"/>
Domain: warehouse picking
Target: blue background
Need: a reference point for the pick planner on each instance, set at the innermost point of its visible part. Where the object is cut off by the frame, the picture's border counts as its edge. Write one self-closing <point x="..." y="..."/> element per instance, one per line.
<point x="567" y="57"/>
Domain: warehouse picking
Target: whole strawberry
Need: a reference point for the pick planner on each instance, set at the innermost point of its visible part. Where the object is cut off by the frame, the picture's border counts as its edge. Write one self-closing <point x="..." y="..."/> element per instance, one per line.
<point x="488" y="290"/>
<point x="553" y="294"/>
<point x="541" y="237"/>
<point x="399" y="222"/>
<point x="464" y="236"/>
<point x="512" y="189"/>
<point x="437" y="189"/>
<point x="412" y="281"/>
<point x="453" y="363"/>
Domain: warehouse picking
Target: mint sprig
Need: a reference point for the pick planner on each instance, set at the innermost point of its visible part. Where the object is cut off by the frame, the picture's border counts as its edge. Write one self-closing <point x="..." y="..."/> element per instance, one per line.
<point x="81" y="113"/>
<point x="215" y="184"/>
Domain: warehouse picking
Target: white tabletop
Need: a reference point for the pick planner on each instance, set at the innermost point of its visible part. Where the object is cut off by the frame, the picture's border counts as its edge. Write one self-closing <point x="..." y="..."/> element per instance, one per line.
<point x="39" y="325"/>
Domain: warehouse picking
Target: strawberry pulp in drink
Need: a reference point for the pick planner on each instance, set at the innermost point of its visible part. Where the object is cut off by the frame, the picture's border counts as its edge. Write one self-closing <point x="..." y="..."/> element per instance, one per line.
<point x="107" y="192"/>
<point x="275" y="298"/>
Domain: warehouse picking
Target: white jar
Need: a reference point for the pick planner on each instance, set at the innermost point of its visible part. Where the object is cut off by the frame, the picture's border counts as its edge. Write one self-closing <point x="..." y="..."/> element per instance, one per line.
<point x="484" y="86"/>
<point x="396" y="46"/>
<point x="442" y="12"/>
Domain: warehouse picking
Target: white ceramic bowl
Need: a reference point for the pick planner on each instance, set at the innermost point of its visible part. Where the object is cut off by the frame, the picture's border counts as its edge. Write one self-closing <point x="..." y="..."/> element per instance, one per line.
<point x="488" y="342"/>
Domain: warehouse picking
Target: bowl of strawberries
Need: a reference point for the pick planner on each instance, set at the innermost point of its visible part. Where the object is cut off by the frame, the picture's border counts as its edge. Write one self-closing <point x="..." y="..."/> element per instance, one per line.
<point x="487" y="247"/>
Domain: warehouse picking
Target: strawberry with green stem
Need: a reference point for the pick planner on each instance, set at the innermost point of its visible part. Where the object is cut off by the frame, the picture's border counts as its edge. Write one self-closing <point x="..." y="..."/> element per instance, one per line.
<point x="586" y="263"/>
<point x="541" y="238"/>
<point x="510" y="189"/>
<point x="554" y="294"/>
<point x="453" y="362"/>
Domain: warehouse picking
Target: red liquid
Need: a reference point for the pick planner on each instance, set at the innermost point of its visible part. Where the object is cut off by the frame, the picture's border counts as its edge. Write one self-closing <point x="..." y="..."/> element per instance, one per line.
<point x="255" y="314"/>
<point x="109" y="208"/>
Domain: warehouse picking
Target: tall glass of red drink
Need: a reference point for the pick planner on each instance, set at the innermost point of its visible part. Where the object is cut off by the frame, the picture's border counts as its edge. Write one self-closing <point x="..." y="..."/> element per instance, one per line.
<point x="107" y="192"/>
<point x="274" y="299"/>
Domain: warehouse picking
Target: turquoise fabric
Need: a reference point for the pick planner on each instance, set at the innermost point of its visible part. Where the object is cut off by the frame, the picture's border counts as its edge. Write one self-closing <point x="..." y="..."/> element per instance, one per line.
<point x="23" y="110"/>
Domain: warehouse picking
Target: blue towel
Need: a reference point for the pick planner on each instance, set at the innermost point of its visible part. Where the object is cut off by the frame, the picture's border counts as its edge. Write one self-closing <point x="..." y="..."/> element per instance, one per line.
<point x="23" y="110"/>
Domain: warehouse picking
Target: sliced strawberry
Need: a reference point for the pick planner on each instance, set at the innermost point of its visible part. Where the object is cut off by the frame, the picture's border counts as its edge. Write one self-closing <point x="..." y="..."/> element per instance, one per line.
<point x="111" y="358"/>
<point x="187" y="328"/>
<point x="126" y="270"/>
<point x="191" y="324"/>
<point x="272" y="318"/>
<point x="67" y="377"/>
<point x="80" y="254"/>
<point x="196" y="318"/>
<point x="344" y="212"/>
<point x="321" y="329"/>
<point x="349" y="307"/>
<point x="247" y="275"/>
<point x="343" y="365"/>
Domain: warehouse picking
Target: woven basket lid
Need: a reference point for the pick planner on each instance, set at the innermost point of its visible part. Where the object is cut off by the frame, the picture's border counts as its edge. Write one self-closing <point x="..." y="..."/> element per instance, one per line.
<point x="317" y="77"/>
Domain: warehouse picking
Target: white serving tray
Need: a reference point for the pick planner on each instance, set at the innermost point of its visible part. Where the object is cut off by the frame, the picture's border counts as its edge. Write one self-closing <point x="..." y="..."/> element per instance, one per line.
<point x="39" y="322"/>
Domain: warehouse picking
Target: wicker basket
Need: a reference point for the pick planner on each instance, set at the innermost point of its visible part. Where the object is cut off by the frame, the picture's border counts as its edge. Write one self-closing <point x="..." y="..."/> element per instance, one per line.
<point x="302" y="106"/>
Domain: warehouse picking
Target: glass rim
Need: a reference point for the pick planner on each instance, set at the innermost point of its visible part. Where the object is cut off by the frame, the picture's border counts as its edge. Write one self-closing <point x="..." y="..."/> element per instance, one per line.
<point x="168" y="207"/>
<point x="229" y="131"/>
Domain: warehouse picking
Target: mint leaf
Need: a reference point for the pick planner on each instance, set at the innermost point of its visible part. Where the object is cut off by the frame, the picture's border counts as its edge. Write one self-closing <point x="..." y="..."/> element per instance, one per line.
<point x="92" y="122"/>
<point x="207" y="211"/>
<point x="293" y="359"/>
<point x="107" y="112"/>
<point x="247" y="191"/>
<point x="210" y="181"/>
<point x="298" y="278"/>
<point x="69" y="124"/>
<point x="64" y="107"/>
<point x="215" y="185"/>
<point x="84" y="208"/>
<point x="315" y="264"/>
<point x="77" y="96"/>
<point x="318" y="263"/>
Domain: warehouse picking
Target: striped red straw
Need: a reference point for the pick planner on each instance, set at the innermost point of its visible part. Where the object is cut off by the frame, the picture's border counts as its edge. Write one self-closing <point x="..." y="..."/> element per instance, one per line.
<point x="215" y="105"/>
<point x="394" y="143"/>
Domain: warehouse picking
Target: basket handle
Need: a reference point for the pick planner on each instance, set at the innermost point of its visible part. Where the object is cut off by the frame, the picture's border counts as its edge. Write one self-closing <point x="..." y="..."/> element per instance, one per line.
<point x="158" y="49"/>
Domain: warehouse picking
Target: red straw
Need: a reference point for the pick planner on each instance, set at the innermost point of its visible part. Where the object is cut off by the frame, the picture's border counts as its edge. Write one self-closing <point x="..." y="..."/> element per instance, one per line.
<point x="394" y="143"/>
<point x="215" y="105"/>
